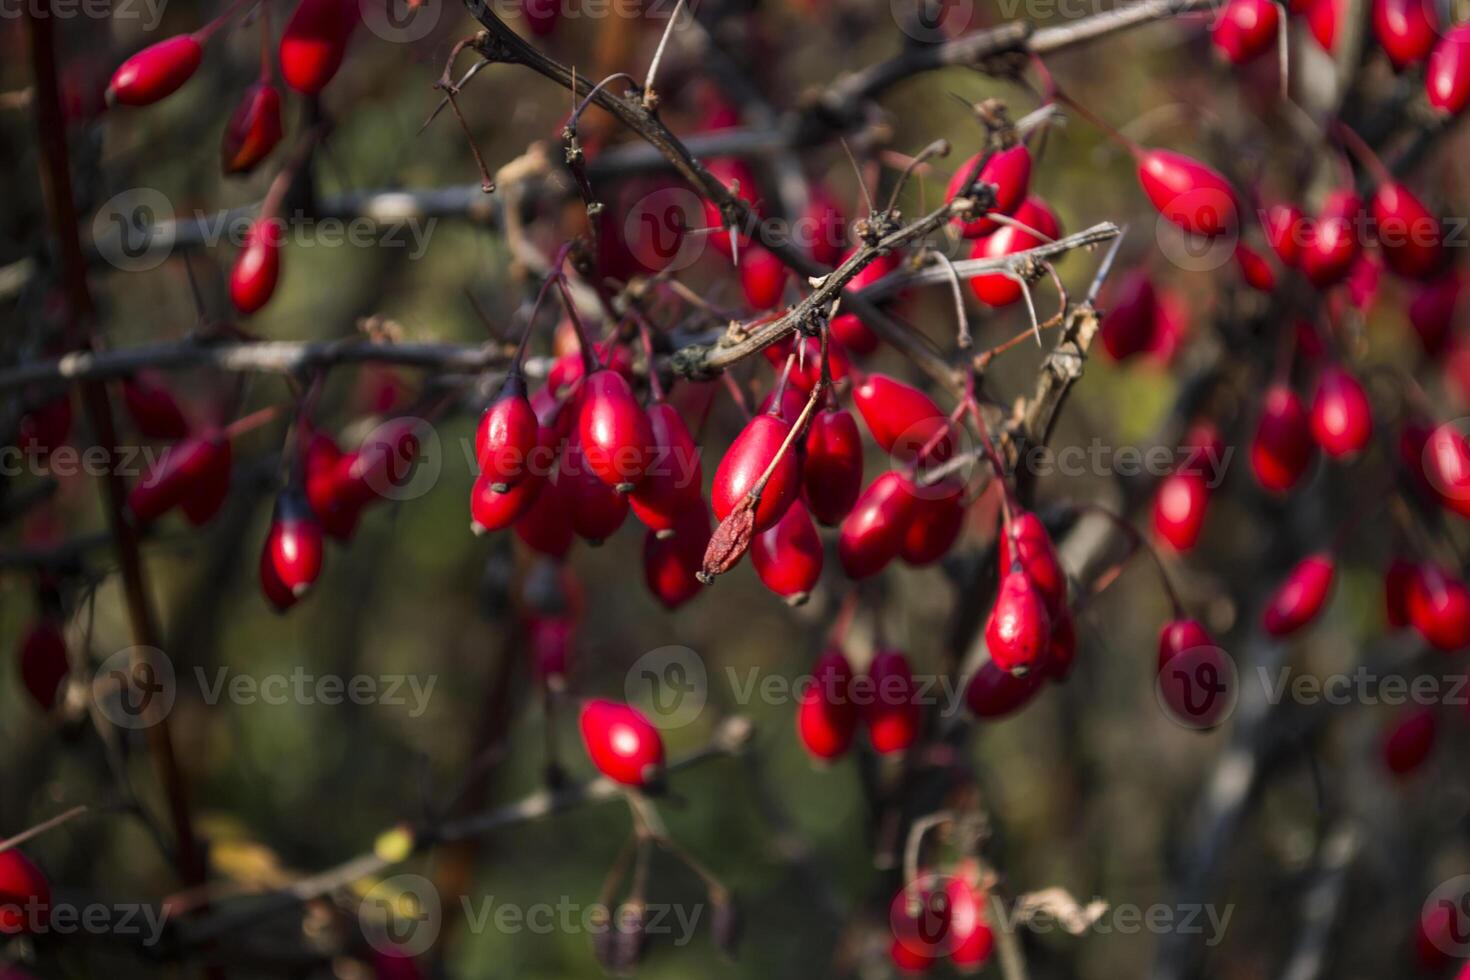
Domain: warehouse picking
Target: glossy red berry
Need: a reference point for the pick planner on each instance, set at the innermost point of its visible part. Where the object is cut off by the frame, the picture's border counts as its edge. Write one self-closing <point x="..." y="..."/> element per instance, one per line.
<point x="1282" y="448"/>
<point x="1186" y="192"/>
<point x="1408" y="233"/>
<point x="788" y="555"/>
<point x="1180" y="504"/>
<point x="276" y="592"/>
<point x="1330" y="242"/>
<point x="671" y="562"/>
<point x="254" y="129"/>
<point x="1432" y="311"/>
<point x="257" y="268"/>
<point x="1342" y="418"/>
<point x="324" y="478"/>
<point x="508" y="434"/>
<point x="1324" y="17"/>
<point x="832" y="468"/>
<point x="546" y="526"/>
<point x="193" y="474"/>
<point x="935" y="523"/>
<point x="25" y="895"/>
<point x="996" y="693"/>
<point x="891" y="708"/>
<point x="493" y="510"/>
<point x="1439" y="607"/>
<point x="1301" y="596"/>
<point x="157" y="71"/>
<point x="1443" y="460"/>
<point x="153" y="408"/>
<point x="1128" y="322"/>
<point x="996" y="289"/>
<point x="674" y="478"/>
<point x="1407" y="29"/>
<point x="1447" y="78"/>
<point x="1285" y="228"/>
<point x="1246" y="29"/>
<point x="1181" y="636"/>
<point x="294" y="544"/>
<point x="1409" y="740"/>
<point x="746" y="460"/>
<point x="971" y="940"/>
<point x="622" y="744"/>
<point x="1008" y="172"/>
<point x="315" y="42"/>
<point x="1038" y="558"/>
<point x="614" y="430"/>
<point x="903" y="420"/>
<point x="762" y="277"/>
<point x="596" y="509"/>
<point x="1018" y="630"/>
<point x="826" y="714"/>
<point x="846" y="328"/>
<point x="43" y="662"/>
<point x="873" y="533"/>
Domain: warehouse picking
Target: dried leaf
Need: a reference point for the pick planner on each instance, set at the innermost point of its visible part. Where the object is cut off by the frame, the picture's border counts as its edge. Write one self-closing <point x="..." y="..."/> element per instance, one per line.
<point x="730" y="541"/>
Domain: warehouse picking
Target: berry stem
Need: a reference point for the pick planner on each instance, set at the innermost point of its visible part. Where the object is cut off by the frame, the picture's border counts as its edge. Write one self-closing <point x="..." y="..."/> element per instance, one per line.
<point x="1139" y="542"/>
<point x="250" y="422"/>
<point x="208" y="30"/>
<point x="1133" y="148"/>
<point x="1359" y="148"/>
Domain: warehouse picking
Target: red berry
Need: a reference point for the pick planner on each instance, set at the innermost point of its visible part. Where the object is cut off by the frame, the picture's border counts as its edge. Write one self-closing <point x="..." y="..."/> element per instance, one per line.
<point x="1128" y="322"/>
<point x="1254" y="268"/>
<point x="832" y="468"/>
<point x="1018" y="631"/>
<point x="1193" y="196"/>
<point x="1432" y="311"/>
<point x="1038" y="557"/>
<point x="157" y="71"/>
<point x="1180" y="636"/>
<point x="254" y="129"/>
<point x="323" y="475"/>
<point x="315" y="42"/>
<point x="1062" y="653"/>
<point x="493" y="510"/>
<point x="996" y="289"/>
<point x="1439" y="607"/>
<point x="736" y="175"/>
<point x="614" y="430"/>
<point x="385" y="461"/>
<point x="25" y="895"/>
<point x="193" y="473"/>
<point x="546" y="526"/>
<point x="550" y="641"/>
<point x="43" y="663"/>
<point x="1330" y="242"/>
<point x="541" y="15"/>
<point x="1398" y="580"/>
<point x="873" y="532"/>
<point x="670" y="563"/>
<point x="257" y="268"/>
<point x="1008" y="171"/>
<point x="1285" y="228"/>
<point x="1443" y="459"/>
<point x="45" y="427"/>
<point x="1246" y="29"/>
<point x="508" y="434"/>
<point x="806" y="370"/>
<point x="1407" y="29"/>
<point x="1408" y="232"/>
<point x="153" y="408"/>
<point x="788" y="555"/>
<point x="595" y="508"/>
<point x="621" y="742"/>
<point x="995" y="693"/>
<point x="294" y="544"/>
<point x="826" y="714"/>
<point x="1447" y="78"/>
<point x="1179" y="508"/>
<point x="971" y="939"/>
<point x="935" y="523"/>
<point x="1323" y="19"/>
<point x="746" y="460"/>
<point x="824" y="227"/>
<point x="1409" y="740"/>
<point x="1342" y="419"/>
<point x="902" y="419"/>
<point x="1282" y="449"/>
<point x="1301" y="596"/>
<point x="675" y="474"/>
<point x="891" y="711"/>
<point x="276" y="592"/>
<point x="762" y="277"/>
